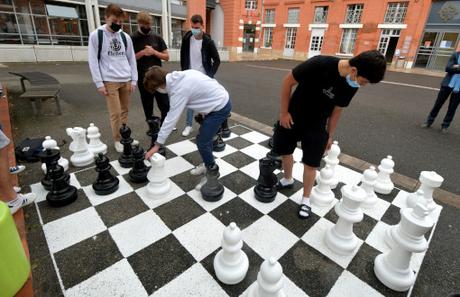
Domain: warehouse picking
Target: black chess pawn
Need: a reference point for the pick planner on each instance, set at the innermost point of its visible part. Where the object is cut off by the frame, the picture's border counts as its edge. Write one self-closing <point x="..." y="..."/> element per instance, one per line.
<point x="106" y="183"/>
<point x="138" y="174"/>
<point x="50" y="157"/>
<point x="225" y="129"/>
<point x="126" y="159"/>
<point x="212" y="190"/>
<point x="218" y="144"/>
<point x="154" y="127"/>
<point x="62" y="193"/>
<point x="265" y="190"/>
<point x="277" y="158"/>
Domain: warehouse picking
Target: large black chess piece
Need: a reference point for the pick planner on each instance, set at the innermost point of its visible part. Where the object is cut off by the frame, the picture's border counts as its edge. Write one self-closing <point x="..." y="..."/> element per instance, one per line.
<point x="154" y="127"/>
<point x="126" y="159"/>
<point x="265" y="190"/>
<point x="270" y="141"/>
<point x="275" y="157"/>
<point x="62" y="193"/>
<point x="218" y="144"/>
<point x="212" y="190"/>
<point x="138" y="174"/>
<point x="50" y="157"/>
<point x="225" y="129"/>
<point x="105" y="183"/>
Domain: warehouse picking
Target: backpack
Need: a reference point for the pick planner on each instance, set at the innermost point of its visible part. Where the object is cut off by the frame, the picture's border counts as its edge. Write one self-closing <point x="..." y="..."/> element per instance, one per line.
<point x="100" y="38"/>
<point x="28" y="149"/>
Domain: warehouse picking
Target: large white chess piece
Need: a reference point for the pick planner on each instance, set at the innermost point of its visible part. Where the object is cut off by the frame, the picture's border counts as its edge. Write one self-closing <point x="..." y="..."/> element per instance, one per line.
<point x="95" y="144"/>
<point x="383" y="184"/>
<point x="269" y="281"/>
<point x="321" y="194"/>
<point x="159" y="183"/>
<point x="429" y="181"/>
<point x="81" y="155"/>
<point x="231" y="263"/>
<point x="340" y="238"/>
<point x="393" y="268"/>
<point x="332" y="159"/>
<point x="50" y="143"/>
<point x="367" y="184"/>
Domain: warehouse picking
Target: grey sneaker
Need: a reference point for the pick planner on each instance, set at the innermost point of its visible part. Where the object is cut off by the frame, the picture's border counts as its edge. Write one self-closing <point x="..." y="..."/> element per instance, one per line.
<point x="425" y="125"/>
<point x="444" y="130"/>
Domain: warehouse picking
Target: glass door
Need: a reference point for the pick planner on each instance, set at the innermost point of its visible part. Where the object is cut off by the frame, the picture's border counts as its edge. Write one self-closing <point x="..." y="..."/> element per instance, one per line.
<point x="436" y="49"/>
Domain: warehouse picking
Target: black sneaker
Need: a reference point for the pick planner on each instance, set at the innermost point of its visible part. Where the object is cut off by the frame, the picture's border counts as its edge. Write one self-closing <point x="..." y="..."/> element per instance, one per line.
<point x="425" y="125"/>
<point x="304" y="211"/>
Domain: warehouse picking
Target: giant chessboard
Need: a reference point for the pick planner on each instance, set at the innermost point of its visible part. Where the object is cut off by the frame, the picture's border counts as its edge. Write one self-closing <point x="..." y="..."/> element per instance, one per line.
<point x="130" y="244"/>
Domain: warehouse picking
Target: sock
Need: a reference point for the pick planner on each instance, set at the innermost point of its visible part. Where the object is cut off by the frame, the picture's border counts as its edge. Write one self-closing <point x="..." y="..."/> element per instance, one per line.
<point x="306" y="200"/>
<point x="284" y="181"/>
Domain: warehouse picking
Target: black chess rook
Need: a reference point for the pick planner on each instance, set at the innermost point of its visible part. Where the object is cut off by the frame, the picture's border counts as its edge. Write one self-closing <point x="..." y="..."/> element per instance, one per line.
<point x="106" y="183"/>
<point x="138" y="174"/>
<point x="265" y="190"/>
<point x="212" y="190"/>
<point x="126" y="159"/>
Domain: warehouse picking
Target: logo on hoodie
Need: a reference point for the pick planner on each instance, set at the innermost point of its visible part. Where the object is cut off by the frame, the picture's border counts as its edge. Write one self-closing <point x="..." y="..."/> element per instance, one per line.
<point x="115" y="48"/>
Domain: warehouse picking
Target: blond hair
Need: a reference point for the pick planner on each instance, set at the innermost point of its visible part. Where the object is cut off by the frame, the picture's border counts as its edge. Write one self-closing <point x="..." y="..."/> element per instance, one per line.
<point x="154" y="77"/>
<point x="144" y="17"/>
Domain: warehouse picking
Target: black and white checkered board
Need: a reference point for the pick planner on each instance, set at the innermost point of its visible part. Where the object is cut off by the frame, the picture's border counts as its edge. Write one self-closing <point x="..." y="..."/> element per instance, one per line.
<point x="127" y="244"/>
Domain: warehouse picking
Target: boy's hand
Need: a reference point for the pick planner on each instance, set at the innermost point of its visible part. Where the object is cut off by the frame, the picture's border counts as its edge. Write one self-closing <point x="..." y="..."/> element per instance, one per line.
<point x="152" y="151"/>
<point x="150" y="50"/>
<point x="329" y="143"/>
<point x="102" y="91"/>
<point x="286" y="120"/>
<point x="132" y="88"/>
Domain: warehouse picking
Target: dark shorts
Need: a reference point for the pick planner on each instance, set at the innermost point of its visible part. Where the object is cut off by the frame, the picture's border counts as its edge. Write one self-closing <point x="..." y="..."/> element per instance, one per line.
<point x="313" y="143"/>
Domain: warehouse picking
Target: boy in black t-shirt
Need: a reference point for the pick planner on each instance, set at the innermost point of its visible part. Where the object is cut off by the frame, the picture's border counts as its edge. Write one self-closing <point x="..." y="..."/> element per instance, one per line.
<point x="325" y="85"/>
<point x="150" y="49"/>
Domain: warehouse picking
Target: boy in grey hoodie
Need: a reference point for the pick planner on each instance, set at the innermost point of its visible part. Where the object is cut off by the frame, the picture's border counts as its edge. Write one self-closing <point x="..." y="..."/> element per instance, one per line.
<point x="113" y="67"/>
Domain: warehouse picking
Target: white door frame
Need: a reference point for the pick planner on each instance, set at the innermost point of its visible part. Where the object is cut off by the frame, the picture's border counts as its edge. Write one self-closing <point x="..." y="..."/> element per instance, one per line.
<point x="289" y="41"/>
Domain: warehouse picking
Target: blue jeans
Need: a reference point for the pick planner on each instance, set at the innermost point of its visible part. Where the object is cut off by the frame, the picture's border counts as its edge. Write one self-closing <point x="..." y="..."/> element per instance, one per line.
<point x="189" y="120"/>
<point x="209" y="127"/>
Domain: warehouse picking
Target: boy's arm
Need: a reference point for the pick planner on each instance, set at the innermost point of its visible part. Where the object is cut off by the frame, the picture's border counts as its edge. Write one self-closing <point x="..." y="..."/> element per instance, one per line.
<point x="93" y="62"/>
<point x="215" y="57"/>
<point x="452" y="66"/>
<point x="132" y="60"/>
<point x="285" y="117"/>
<point x="332" y="124"/>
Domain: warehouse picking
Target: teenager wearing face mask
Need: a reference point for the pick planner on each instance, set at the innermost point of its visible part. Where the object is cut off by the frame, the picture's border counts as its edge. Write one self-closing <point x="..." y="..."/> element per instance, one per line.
<point x="150" y="49"/>
<point x="325" y="85"/>
<point x="198" y="52"/>
<point x="112" y="63"/>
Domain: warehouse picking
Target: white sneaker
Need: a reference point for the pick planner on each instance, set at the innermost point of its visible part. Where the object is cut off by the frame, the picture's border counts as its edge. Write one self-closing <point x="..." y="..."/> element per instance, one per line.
<point x="17" y="189"/>
<point x="21" y="201"/>
<point x="201" y="183"/>
<point x="17" y="169"/>
<point x="135" y="142"/>
<point x="198" y="170"/>
<point x="118" y="146"/>
<point x="187" y="131"/>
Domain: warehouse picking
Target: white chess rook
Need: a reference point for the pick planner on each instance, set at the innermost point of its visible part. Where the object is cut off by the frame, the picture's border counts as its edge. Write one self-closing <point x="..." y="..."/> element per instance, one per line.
<point x="393" y="268"/>
<point x="159" y="183"/>
<point x="321" y="194"/>
<point x="231" y="263"/>
<point x="81" y="155"/>
<point x="429" y="181"/>
<point x="340" y="238"/>
<point x="50" y="143"/>
<point x="332" y="159"/>
<point x="269" y="281"/>
<point x="383" y="184"/>
<point x="367" y="184"/>
<point x="95" y="144"/>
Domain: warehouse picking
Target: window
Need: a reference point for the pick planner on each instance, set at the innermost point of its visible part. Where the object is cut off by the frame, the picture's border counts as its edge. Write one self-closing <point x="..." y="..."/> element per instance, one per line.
<point x="269" y="16"/>
<point x="293" y="15"/>
<point x="156" y="25"/>
<point x="268" y="37"/>
<point x="354" y="13"/>
<point x="251" y="4"/>
<point x="320" y="14"/>
<point x="291" y="34"/>
<point x="177" y="32"/>
<point x="347" y="45"/>
<point x="396" y="12"/>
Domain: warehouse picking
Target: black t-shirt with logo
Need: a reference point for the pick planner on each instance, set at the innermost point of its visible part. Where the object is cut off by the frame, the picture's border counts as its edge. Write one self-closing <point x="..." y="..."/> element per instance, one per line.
<point x="139" y="42"/>
<point x="320" y="88"/>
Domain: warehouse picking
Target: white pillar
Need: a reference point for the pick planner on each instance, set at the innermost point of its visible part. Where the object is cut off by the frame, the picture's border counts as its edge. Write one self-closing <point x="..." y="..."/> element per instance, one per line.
<point x="97" y="17"/>
<point x="165" y="21"/>
<point x="90" y="15"/>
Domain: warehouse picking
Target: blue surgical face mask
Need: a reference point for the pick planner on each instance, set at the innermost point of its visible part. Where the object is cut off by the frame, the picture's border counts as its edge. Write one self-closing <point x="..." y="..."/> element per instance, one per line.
<point x="196" y="32"/>
<point x="352" y="83"/>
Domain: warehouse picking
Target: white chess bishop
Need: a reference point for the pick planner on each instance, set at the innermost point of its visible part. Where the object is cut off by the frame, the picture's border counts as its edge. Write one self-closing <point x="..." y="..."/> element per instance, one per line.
<point x="332" y="159"/>
<point x="50" y="143"/>
<point x="367" y="184"/>
<point x="393" y="268"/>
<point x="231" y="263"/>
<point x="95" y="144"/>
<point x="429" y="181"/>
<point x="321" y="194"/>
<point x="81" y="155"/>
<point x="159" y="183"/>
<point x="383" y="184"/>
<point x="269" y="281"/>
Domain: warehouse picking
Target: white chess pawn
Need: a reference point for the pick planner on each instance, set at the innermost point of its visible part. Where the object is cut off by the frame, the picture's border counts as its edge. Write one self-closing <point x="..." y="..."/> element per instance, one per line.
<point x="269" y="281"/>
<point x="393" y="268"/>
<point x="340" y="238"/>
<point x="367" y="184"/>
<point x="95" y="144"/>
<point x="50" y="143"/>
<point x="231" y="263"/>
<point x="321" y="194"/>
<point x="383" y="184"/>
<point x="81" y="155"/>
<point x="159" y="183"/>
<point x="429" y="181"/>
<point x="332" y="159"/>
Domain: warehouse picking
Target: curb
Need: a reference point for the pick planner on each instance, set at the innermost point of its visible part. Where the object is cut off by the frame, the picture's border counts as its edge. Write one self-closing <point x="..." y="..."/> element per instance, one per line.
<point x="402" y="181"/>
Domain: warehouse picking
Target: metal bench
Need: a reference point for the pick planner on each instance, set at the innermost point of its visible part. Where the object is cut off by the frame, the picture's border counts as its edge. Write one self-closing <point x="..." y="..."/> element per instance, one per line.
<point x="41" y="87"/>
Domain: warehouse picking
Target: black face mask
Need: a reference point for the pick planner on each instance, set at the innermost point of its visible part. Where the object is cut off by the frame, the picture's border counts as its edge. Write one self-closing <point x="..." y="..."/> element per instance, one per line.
<point x="115" y="27"/>
<point x="146" y="30"/>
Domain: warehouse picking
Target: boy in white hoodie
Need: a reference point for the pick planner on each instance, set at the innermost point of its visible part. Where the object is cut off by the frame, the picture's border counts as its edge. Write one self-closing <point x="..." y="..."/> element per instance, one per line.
<point x="198" y="92"/>
<point x="113" y="67"/>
